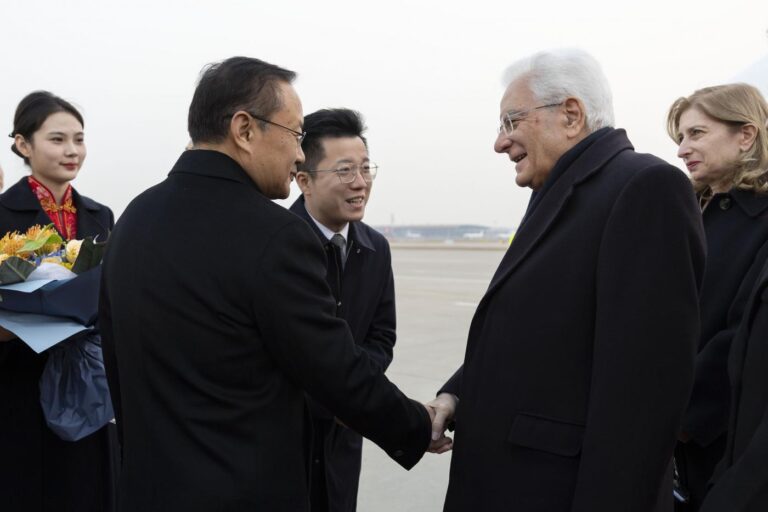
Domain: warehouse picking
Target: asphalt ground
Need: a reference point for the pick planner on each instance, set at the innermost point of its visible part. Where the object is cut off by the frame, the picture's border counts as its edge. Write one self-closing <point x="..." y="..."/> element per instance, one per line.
<point x="437" y="291"/>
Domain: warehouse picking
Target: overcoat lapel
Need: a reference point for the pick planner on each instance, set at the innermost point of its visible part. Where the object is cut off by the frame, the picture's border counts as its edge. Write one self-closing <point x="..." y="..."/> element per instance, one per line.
<point x="539" y="225"/>
<point x="20" y="198"/>
<point x="88" y="223"/>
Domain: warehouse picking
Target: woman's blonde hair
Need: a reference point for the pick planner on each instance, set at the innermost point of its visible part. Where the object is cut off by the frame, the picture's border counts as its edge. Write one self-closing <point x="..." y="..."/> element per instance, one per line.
<point x="734" y="105"/>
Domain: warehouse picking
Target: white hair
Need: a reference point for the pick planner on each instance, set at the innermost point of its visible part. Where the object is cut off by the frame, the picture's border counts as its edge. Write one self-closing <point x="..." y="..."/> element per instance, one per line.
<point x="555" y="75"/>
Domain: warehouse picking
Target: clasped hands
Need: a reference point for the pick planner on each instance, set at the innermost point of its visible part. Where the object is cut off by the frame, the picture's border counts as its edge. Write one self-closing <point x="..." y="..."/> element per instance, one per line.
<point x="441" y="411"/>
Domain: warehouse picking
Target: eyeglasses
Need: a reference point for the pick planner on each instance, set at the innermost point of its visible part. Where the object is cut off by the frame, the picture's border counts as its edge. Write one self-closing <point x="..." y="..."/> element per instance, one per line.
<point x="348" y="173"/>
<point x="510" y="120"/>
<point x="299" y="135"/>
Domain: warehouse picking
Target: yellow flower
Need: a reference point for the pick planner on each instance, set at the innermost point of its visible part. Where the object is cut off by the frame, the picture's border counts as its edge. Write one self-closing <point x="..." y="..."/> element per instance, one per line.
<point x="4" y="257"/>
<point x="11" y="243"/>
<point x="72" y="250"/>
<point x="38" y="233"/>
<point x="33" y="232"/>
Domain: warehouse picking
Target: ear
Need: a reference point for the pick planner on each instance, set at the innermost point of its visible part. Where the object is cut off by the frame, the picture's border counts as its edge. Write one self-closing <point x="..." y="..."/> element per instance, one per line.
<point x="24" y="147"/>
<point x="242" y="129"/>
<point x="303" y="180"/>
<point x="576" y="118"/>
<point x="747" y="136"/>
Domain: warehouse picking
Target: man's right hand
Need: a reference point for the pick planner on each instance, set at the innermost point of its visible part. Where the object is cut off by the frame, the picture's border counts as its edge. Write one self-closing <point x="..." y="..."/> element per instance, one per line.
<point x="443" y="410"/>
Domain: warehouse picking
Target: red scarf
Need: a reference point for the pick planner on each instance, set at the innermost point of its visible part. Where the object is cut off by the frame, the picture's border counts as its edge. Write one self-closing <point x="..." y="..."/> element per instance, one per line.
<point x="63" y="216"/>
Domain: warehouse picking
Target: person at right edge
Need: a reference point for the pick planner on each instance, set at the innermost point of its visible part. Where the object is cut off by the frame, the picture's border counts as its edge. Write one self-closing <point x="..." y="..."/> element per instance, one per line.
<point x="723" y="142"/>
<point x="579" y="358"/>
<point x="740" y="482"/>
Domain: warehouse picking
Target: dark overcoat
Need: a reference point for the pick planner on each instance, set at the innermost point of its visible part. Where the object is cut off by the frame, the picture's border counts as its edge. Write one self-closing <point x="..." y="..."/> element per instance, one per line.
<point x="216" y="320"/>
<point x="579" y="358"/>
<point x="39" y="471"/>
<point x="736" y="227"/>
<point x="741" y="478"/>
<point x="364" y="289"/>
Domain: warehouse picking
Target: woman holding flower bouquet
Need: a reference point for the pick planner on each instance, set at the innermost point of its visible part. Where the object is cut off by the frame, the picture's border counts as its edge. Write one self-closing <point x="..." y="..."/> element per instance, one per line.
<point x="38" y="470"/>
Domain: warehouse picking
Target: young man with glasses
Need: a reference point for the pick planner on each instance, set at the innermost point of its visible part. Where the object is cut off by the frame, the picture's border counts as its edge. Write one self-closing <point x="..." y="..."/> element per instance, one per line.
<point x="335" y="181"/>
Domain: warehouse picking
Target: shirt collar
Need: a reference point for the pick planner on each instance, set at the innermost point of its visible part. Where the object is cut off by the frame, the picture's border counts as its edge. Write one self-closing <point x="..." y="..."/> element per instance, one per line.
<point x="327" y="233"/>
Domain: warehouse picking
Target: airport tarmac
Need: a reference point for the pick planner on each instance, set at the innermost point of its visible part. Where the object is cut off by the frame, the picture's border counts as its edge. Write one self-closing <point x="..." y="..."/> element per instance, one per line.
<point x="437" y="291"/>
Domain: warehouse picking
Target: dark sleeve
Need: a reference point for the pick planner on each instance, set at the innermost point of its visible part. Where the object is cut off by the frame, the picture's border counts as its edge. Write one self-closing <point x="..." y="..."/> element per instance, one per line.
<point x="316" y="350"/>
<point x="706" y="417"/>
<point x="380" y="339"/>
<point x="735" y="489"/>
<point x="649" y="271"/>
<point x="111" y="218"/>
<point x="454" y="383"/>
<point x="108" y="350"/>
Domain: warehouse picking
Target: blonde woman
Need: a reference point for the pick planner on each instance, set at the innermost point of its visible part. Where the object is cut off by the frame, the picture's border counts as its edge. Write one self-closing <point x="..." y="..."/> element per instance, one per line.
<point x="723" y="142"/>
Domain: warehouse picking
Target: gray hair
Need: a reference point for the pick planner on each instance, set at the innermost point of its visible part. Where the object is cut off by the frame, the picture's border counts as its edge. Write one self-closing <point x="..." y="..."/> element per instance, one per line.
<point x="555" y="75"/>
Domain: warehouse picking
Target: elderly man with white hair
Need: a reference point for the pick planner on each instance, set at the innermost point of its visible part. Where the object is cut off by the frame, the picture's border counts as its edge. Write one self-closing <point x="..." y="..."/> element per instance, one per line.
<point x="579" y="358"/>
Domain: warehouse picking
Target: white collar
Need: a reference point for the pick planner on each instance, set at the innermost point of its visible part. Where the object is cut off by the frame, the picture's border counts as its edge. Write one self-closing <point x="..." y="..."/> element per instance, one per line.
<point x="327" y="233"/>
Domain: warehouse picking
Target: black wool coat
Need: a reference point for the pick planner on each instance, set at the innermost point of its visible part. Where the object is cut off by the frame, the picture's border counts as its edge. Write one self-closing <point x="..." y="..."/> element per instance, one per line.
<point x="364" y="289"/>
<point x="741" y="478"/>
<point x="579" y="358"/>
<point x="39" y="471"/>
<point x="736" y="227"/>
<point x="216" y="319"/>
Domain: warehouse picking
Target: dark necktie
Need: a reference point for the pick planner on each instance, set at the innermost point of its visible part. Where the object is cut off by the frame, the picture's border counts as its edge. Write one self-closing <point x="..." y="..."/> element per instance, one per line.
<point x="341" y="244"/>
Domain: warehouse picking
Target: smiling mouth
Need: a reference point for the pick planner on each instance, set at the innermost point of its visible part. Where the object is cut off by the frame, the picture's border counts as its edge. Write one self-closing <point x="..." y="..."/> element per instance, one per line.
<point x="518" y="159"/>
<point x="356" y="201"/>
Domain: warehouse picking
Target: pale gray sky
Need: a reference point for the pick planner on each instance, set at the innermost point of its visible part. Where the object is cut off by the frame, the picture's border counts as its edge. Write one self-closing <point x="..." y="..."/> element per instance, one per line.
<point x="426" y="75"/>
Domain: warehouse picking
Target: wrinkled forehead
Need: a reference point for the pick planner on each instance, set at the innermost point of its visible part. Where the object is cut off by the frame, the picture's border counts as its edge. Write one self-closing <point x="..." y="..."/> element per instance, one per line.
<point x="517" y="97"/>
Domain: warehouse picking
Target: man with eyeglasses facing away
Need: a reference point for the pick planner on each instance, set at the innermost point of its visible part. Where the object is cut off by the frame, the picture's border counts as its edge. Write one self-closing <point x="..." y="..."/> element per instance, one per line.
<point x="217" y="319"/>
<point x="335" y="180"/>
<point x="579" y="358"/>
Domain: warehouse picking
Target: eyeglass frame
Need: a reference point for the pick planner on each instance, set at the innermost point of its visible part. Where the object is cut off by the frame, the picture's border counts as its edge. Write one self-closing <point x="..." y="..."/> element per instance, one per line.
<point x="520" y="116"/>
<point x="300" y="136"/>
<point x="357" y="169"/>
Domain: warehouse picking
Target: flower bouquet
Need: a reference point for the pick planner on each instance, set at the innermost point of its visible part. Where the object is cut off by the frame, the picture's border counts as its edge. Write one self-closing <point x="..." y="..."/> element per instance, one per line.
<point x="49" y="293"/>
<point x="49" y="289"/>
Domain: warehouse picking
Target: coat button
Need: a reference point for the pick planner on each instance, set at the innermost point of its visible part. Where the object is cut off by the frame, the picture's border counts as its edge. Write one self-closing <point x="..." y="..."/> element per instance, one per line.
<point x="358" y="251"/>
<point x="338" y="304"/>
<point x="725" y="203"/>
<point x="397" y="453"/>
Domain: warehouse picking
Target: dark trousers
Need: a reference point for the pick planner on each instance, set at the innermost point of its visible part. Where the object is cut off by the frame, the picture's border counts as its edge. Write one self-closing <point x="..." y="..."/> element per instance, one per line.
<point x="38" y="471"/>
<point x="696" y="465"/>
<point x="336" y="461"/>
